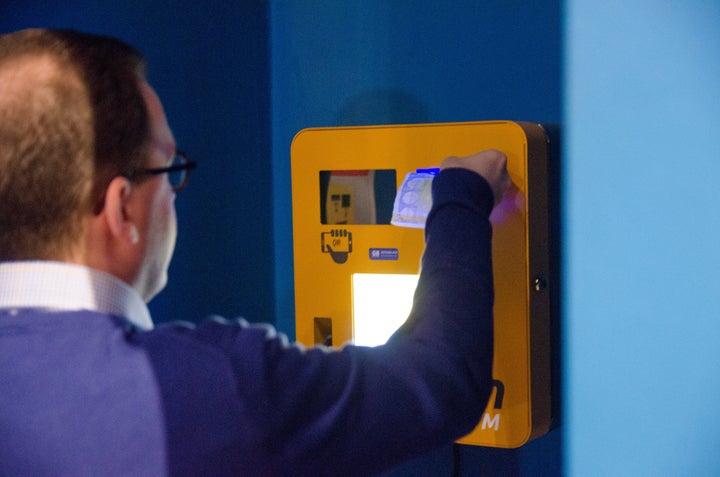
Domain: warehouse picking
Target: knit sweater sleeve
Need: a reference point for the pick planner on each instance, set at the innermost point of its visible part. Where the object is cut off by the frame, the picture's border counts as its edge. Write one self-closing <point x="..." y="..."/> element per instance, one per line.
<point x="360" y="410"/>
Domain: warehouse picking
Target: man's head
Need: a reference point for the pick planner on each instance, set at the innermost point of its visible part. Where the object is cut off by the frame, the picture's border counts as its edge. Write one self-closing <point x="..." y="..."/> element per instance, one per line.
<point x="78" y="124"/>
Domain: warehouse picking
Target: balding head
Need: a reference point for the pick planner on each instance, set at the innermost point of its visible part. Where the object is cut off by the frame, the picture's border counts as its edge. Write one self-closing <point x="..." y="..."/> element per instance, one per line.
<point x="72" y="117"/>
<point x="46" y="129"/>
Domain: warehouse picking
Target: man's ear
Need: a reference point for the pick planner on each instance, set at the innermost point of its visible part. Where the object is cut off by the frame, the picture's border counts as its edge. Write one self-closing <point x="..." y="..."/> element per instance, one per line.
<point x="117" y="211"/>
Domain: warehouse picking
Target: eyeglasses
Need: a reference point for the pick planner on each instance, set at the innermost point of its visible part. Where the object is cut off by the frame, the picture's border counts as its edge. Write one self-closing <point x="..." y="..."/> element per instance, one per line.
<point x="178" y="171"/>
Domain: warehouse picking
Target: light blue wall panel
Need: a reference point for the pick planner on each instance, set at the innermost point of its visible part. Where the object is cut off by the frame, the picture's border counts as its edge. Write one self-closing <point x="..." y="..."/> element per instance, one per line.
<point x="642" y="223"/>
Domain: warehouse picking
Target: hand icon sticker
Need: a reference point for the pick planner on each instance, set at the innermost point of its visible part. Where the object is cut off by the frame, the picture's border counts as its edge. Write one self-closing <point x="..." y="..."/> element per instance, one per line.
<point x="338" y="243"/>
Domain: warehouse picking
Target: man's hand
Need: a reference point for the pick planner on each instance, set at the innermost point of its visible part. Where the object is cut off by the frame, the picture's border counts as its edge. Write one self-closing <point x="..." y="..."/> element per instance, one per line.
<point x="491" y="164"/>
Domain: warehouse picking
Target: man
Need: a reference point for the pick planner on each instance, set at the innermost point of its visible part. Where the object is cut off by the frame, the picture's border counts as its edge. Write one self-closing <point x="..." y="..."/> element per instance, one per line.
<point x="87" y="228"/>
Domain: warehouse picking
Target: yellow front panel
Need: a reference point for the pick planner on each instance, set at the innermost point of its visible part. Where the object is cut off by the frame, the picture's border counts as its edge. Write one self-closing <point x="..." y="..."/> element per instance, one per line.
<point x="326" y="256"/>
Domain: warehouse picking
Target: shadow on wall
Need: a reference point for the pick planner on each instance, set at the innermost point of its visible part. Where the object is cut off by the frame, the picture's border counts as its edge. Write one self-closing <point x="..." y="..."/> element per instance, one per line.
<point x="382" y="107"/>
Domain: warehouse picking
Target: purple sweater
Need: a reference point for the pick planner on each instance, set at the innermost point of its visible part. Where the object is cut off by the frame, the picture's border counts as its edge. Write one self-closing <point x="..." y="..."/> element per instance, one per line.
<point x="82" y="393"/>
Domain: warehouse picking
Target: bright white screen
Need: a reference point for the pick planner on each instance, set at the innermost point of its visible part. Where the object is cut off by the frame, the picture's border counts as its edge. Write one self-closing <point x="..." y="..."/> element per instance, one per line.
<point x="381" y="303"/>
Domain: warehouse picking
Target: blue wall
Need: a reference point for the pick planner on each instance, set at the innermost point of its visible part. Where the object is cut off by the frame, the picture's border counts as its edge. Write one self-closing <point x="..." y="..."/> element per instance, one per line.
<point x="239" y="79"/>
<point x="209" y="62"/>
<point x="379" y="62"/>
<point x="642" y="303"/>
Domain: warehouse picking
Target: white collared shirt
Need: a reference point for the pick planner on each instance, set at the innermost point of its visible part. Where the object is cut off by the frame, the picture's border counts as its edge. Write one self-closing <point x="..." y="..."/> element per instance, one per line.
<point x="58" y="286"/>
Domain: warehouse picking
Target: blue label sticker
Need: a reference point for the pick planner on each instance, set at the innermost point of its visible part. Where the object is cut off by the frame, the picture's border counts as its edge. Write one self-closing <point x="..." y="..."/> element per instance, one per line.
<point x="384" y="254"/>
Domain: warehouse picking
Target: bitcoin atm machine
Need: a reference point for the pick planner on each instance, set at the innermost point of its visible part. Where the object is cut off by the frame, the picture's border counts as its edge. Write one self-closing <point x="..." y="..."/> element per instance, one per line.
<point x="355" y="272"/>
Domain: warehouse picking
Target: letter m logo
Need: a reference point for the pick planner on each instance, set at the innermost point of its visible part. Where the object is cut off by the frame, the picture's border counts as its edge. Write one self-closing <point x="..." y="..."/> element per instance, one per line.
<point x="490" y="422"/>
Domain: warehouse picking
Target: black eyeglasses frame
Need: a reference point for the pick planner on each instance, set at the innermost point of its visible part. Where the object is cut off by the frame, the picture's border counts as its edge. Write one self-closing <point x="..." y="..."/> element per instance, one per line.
<point x="186" y="166"/>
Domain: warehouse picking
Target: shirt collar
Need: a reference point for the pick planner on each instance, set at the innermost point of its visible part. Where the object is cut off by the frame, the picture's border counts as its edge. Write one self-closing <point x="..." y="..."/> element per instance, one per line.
<point x="60" y="286"/>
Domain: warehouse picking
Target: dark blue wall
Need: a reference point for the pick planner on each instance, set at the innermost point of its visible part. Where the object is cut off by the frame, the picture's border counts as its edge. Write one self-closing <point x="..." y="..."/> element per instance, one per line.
<point x="209" y="62"/>
<point x="239" y="79"/>
<point x="403" y="61"/>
